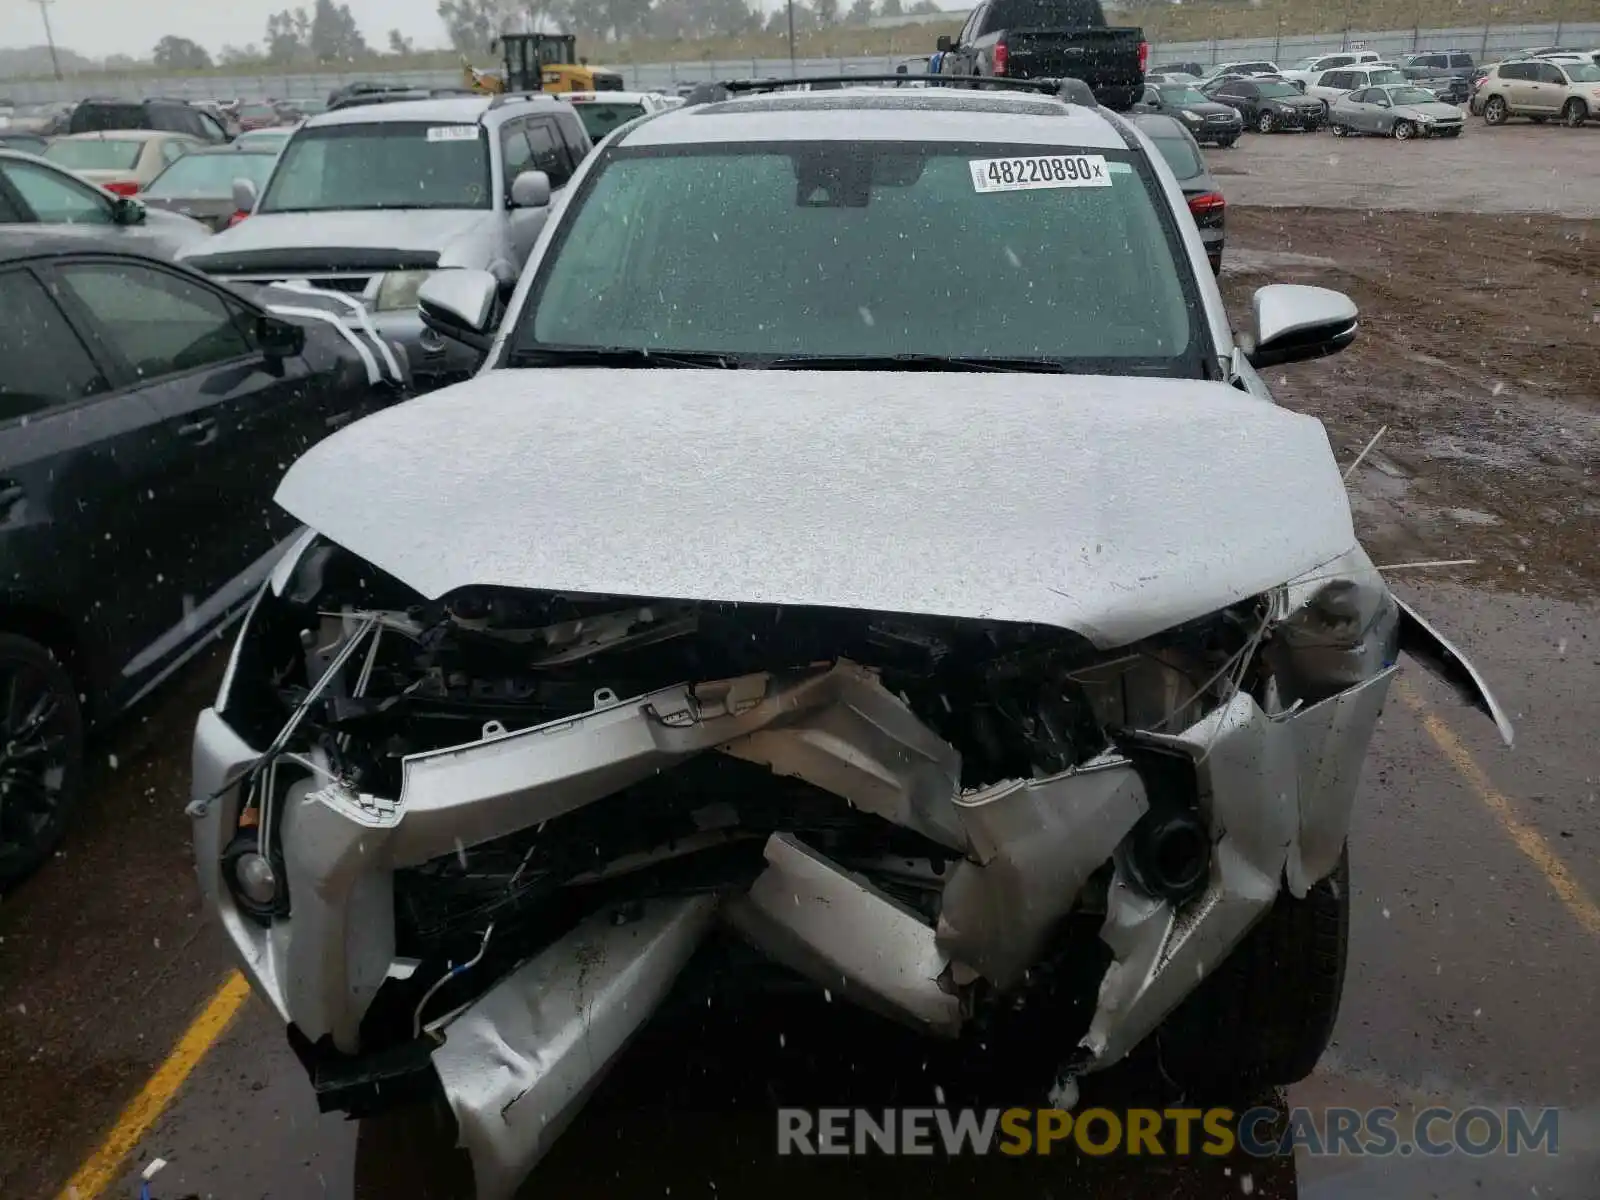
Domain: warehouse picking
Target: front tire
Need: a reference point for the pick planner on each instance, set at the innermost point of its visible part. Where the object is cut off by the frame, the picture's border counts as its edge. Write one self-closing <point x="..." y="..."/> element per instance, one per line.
<point x="1495" y="111"/>
<point x="1266" y="1014"/>
<point x="1339" y="130"/>
<point x="41" y="756"/>
<point x="1404" y="131"/>
<point x="1226" y="143"/>
<point x="1575" y="113"/>
<point x="1266" y="122"/>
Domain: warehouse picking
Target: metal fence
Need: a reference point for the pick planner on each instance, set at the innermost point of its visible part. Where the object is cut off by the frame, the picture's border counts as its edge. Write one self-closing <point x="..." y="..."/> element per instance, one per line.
<point x="1484" y="43"/>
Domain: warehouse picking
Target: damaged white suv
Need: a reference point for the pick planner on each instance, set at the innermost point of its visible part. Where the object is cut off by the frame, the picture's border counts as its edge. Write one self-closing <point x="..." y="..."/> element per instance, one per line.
<point x="865" y="541"/>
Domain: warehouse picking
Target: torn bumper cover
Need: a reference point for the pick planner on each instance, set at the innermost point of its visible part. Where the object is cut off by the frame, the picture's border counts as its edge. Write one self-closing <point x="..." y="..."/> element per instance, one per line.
<point x="518" y="1057"/>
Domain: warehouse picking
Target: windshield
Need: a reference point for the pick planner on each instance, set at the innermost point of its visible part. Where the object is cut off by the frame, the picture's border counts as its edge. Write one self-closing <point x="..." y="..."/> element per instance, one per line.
<point x="1273" y="90"/>
<point x="390" y="164"/>
<point x="870" y="249"/>
<point x="600" y="119"/>
<point x="211" y="174"/>
<point x="1412" y="95"/>
<point x="1391" y="75"/>
<point x="95" y="154"/>
<point x="256" y="112"/>
<point x="1180" y="94"/>
<point x="1583" y="73"/>
<point x="1182" y="155"/>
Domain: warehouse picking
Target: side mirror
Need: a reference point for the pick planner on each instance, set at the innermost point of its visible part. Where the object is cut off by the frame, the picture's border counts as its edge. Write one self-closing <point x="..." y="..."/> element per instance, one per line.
<point x="244" y="195"/>
<point x="459" y="303"/>
<point x="942" y="45"/>
<point x="125" y="210"/>
<point x="280" y="339"/>
<point x="531" y="189"/>
<point x="1294" y="322"/>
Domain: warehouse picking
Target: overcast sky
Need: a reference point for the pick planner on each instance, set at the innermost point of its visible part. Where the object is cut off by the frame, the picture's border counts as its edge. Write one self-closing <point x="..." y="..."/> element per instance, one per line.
<point x="101" y="27"/>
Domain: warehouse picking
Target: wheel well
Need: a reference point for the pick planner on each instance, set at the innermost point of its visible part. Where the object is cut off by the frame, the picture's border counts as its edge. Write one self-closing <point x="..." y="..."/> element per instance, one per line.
<point x="58" y="635"/>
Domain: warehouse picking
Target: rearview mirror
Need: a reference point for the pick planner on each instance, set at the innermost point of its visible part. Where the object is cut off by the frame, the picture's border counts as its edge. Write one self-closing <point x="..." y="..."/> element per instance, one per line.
<point x="1295" y="322"/>
<point x="943" y="43"/>
<point x="125" y="210"/>
<point x="280" y="339"/>
<point x="244" y="195"/>
<point x="531" y="189"/>
<point x="460" y="304"/>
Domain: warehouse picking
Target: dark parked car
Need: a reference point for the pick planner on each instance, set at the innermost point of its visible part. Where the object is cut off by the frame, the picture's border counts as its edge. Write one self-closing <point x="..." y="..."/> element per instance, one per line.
<point x="1442" y="62"/>
<point x="1449" y="88"/>
<point x="146" y="414"/>
<point x="1180" y="68"/>
<point x="1269" y="106"/>
<point x="200" y="184"/>
<point x="1041" y="39"/>
<point x="1200" y="190"/>
<point x="99" y="114"/>
<point x="1208" y="120"/>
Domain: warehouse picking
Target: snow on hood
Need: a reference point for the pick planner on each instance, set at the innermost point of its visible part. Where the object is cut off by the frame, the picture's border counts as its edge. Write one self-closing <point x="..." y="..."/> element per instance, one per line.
<point x="408" y="229"/>
<point x="1113" y="507"/>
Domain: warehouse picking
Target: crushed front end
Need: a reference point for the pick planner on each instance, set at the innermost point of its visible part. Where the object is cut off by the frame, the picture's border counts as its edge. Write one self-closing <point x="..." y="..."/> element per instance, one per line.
<point x="473" y="842"/>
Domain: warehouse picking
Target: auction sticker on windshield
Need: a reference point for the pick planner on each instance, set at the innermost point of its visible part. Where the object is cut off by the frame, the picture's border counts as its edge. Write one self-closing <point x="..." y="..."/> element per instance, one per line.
<point x="1044" y="171"/>
<point x="453" y="133"/>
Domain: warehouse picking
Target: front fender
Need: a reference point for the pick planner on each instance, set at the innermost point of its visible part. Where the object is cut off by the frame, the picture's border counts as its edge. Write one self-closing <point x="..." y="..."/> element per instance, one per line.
<point x="1431" y="649"/>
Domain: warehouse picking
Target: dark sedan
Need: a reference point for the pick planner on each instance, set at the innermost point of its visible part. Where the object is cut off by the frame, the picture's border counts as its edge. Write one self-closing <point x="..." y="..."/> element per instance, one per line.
<point x="200" y="184"/>
<point x="1208" y="120"/>
<point x="1269" y="106"/>
<point x="146" y="415"/>
<point x="1451" y="89"/>
<point x="1200" y="190"/>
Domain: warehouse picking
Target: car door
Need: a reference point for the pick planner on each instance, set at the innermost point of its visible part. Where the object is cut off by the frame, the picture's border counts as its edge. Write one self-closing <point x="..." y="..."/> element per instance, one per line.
<point x="1233" y="95"/>
<point x="1379" y="110"/>
<point x="86" y="506"/>
<point x="516" y="156"/>
<point x="960" y="59"/>
<point x="234" y="421"/>
<point x="1551" y="87"/>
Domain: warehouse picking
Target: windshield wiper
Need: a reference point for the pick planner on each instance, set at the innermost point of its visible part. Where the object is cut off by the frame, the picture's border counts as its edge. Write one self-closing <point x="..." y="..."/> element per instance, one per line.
<point x="913" y="362"/>
<point x="618" y="356"/>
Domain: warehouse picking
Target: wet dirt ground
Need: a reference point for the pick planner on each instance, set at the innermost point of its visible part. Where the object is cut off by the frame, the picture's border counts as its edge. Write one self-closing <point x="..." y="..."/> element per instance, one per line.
<point x="1474" y="973"/>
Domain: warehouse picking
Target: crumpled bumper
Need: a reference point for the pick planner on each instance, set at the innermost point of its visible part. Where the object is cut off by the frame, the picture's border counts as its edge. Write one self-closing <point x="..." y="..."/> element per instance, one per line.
<point x="1275" y="791"/>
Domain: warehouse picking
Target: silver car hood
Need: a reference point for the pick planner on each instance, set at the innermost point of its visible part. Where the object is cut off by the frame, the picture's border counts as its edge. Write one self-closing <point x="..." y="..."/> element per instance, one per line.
<point x="1438" y="111"/>
<point x="409" y="229"/>
<point x="1113" y="507"/>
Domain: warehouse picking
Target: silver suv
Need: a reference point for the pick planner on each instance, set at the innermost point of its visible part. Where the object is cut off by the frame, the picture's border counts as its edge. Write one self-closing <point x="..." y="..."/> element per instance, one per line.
<point x="1539" y="90"/>
<point x="368" y="201"/>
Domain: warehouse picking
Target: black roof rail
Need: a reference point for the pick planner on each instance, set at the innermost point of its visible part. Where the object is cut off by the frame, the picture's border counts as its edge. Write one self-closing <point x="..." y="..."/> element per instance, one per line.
<point x="499" y="98"/>
<point x="1073" y="91"/>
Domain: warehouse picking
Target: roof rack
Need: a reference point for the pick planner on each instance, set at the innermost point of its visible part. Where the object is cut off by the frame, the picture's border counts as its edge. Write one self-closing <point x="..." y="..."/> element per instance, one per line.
<point x="1073" y="91"/>
<point x="499" y="98"/>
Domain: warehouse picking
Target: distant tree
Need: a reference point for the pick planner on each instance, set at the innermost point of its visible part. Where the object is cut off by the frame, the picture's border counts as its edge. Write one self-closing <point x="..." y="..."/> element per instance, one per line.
<point x="400" y="44"/>
<point x="173" y="53"/>
<point x="122" y="62"/>
<point x="827" y="11"/>
<point x="472" y="24"/>
<point x="236" y="56"/>
<point x="334" y="36"/>
<point x="860" y="12"/>
<point x="284" y="43"/>
<point x="924" y="8"/>
<point x="890" y="8"/>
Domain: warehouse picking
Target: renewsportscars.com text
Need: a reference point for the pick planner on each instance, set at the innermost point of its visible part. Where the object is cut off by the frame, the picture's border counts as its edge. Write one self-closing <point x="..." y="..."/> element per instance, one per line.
<point x="1259" y="1132"/>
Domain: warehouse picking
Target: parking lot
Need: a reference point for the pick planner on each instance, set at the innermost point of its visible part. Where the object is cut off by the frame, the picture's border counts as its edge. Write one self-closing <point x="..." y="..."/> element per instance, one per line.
<point x="1475" y="958"/>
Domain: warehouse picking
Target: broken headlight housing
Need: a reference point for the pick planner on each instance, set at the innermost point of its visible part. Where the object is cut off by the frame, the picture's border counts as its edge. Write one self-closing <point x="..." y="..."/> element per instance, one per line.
<point x="397" y="290"/>
<point x="1341" y="626"/>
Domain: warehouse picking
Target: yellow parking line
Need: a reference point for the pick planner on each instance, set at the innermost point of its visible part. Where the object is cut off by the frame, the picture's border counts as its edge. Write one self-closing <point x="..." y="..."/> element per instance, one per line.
<point x="101" y="1169"/>
<point x="1527" y="839"/>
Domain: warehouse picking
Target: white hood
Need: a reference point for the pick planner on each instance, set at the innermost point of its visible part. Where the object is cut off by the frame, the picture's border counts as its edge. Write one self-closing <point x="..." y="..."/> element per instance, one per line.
<point x="1114" y="507"/>
<point x="408" y="229"/>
